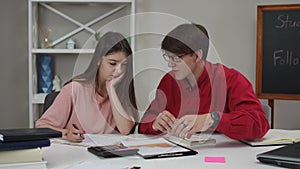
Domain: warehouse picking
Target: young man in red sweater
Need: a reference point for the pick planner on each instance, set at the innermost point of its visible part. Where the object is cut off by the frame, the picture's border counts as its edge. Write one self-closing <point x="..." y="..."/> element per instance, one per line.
<point x="197" y="96"/>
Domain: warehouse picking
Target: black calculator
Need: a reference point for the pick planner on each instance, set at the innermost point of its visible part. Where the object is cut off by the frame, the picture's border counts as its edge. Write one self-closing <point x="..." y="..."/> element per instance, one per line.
<point x="112" y="151"/>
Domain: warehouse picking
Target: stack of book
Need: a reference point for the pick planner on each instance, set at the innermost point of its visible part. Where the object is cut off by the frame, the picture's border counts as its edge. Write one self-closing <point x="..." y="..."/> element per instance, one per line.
<point x="21" y="148"/>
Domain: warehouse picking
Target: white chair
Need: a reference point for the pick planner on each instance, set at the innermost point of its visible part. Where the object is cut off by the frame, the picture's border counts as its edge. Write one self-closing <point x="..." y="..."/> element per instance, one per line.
<point x="267" y="110"/>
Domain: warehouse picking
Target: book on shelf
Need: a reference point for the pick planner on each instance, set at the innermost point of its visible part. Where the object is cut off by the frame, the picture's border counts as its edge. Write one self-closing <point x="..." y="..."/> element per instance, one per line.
<point x="275" y="137"/>
<point x="20" y="156"/>
<point x="27" y="165"/>
<point x="24" y="144"/>
<point x="26" y="134"/>
<point x="193" y="142"/>
<point x="151" y="148"/>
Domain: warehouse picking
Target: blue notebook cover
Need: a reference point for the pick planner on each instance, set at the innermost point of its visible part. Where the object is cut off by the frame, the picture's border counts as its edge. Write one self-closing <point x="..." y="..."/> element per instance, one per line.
<point x="23" y="144"/>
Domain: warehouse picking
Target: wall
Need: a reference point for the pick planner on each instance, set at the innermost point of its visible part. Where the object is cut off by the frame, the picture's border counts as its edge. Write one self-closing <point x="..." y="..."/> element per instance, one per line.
<point x="232" y="28"/>
<point x="231" y="25"/>
<point x="13" y="64"/>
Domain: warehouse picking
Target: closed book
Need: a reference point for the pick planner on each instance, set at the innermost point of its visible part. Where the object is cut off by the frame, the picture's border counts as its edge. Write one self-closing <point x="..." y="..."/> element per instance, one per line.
<point x="26" y="134"/>
<point x="27" y="165"/>
<point x="23" y="144"/>
<point x="20" y="156"/>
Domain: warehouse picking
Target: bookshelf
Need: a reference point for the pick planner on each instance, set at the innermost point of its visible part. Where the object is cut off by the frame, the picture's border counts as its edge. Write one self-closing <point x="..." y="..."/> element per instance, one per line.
<point x="65" y="19"/>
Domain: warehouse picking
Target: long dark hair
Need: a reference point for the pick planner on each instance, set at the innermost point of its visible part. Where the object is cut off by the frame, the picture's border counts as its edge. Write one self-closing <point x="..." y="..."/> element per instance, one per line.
<point x="109" y="43"/>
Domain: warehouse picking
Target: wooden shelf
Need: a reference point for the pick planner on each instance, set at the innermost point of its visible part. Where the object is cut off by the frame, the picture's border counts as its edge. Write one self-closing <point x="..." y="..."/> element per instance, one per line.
<point x="86" y="1"/>
<point x="62" y="51"/>
<point x="39" y="98"/>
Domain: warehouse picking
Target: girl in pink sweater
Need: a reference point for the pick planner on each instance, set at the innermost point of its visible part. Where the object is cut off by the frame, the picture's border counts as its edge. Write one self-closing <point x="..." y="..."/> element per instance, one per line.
<point x="100" y="100"/>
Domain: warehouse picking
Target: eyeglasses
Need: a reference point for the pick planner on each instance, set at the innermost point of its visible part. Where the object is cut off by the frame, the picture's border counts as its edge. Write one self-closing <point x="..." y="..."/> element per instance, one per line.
<point x="174" y="58"/>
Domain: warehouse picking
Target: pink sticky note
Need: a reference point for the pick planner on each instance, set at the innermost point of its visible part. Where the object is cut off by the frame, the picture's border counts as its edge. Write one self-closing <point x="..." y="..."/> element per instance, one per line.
<point x="215" y="159"/>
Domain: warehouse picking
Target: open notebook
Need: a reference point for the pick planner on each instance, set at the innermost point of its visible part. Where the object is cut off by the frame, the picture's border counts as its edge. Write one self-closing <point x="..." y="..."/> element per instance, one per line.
<point x="276" y="137"/>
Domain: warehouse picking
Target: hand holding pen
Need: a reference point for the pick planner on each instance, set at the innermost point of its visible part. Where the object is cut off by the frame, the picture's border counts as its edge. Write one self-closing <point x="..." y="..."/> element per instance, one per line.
<point x="75" y="134"/>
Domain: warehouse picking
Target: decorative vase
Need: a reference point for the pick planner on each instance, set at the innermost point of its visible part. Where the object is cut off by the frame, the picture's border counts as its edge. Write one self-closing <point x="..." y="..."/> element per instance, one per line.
<point x="45" y="74"/>
<point x="71" y="44"/>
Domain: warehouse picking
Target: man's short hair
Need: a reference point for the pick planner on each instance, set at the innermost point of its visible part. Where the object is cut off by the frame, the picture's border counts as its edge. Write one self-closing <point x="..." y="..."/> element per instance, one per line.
<point x="187" y="39"/>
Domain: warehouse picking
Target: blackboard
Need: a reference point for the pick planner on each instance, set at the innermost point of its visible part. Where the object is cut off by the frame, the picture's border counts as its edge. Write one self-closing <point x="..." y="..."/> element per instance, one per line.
<point x="278" y="52"/>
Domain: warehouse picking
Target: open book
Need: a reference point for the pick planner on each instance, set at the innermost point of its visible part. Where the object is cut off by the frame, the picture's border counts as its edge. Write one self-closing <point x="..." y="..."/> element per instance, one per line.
<point x="276" y="137"/>
<point x="193" y="142"/>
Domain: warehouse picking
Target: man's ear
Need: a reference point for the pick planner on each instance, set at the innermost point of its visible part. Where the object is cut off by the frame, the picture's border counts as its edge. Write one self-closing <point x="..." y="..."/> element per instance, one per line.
<point x="199" y="54"/>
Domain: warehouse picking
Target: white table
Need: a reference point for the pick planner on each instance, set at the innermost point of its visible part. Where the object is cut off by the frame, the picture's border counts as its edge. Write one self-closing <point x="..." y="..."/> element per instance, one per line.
<point x="238" y="155"/>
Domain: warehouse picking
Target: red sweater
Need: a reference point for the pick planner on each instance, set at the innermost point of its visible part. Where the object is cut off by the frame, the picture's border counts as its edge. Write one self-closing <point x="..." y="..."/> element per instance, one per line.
<point x="219" y="89"/>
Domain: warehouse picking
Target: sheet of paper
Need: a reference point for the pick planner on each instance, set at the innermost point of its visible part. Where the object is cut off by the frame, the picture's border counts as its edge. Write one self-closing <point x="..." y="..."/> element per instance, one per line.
<point x="153" y="146"/>
<point x="106" y="139"/>
<point x="99" y="165"/>
<point x="94" y="140"/>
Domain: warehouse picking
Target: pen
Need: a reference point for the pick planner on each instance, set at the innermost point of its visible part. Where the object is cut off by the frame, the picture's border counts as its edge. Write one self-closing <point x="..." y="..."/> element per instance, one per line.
<point x="133" y="167"/>
<point x="170" y="155"/>
<point x="81" y="134"/>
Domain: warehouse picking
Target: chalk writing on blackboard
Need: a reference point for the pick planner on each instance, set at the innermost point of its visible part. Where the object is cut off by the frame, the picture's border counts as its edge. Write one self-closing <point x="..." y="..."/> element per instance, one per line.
<point x="285" y="58"/>
<point x="285" y="22"/>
